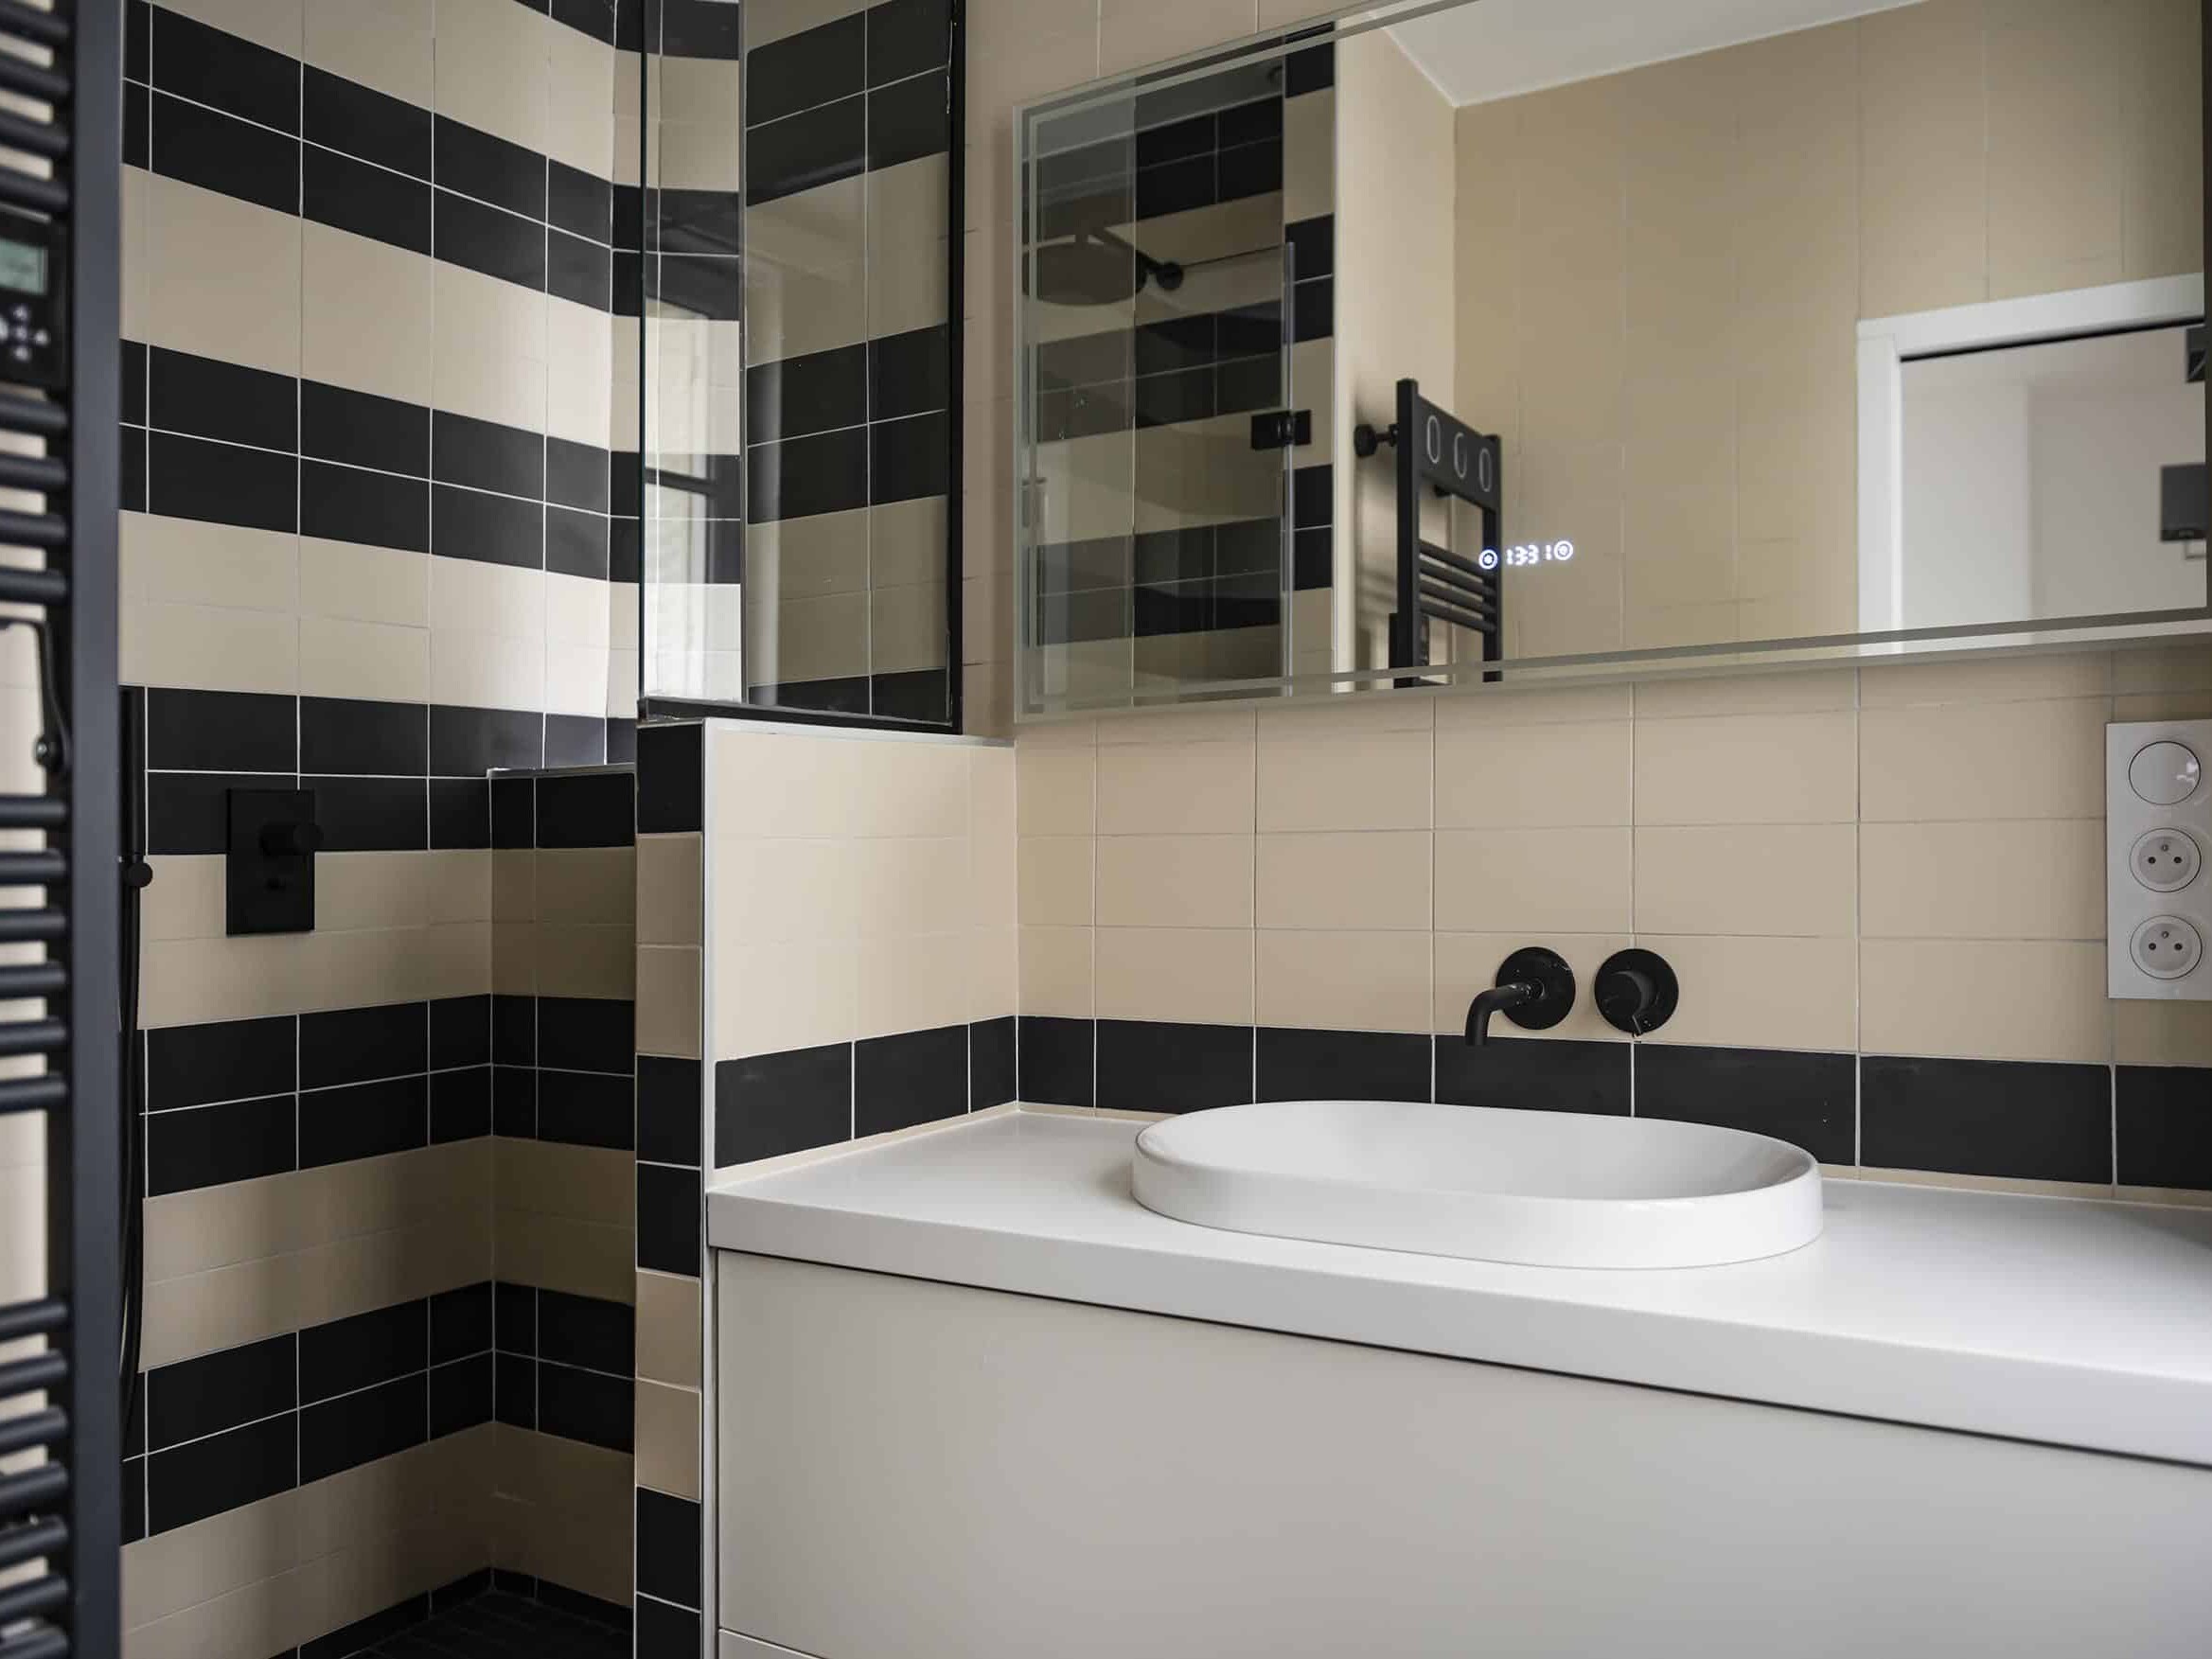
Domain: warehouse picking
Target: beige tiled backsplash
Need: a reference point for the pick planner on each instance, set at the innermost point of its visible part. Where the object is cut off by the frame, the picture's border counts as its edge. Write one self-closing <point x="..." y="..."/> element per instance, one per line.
<point x="1905" y="858"/>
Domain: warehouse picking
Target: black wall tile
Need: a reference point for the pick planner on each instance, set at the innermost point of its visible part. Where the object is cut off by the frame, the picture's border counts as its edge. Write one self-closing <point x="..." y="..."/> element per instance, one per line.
<point x="575" y="546"/>
<point x="579" y="272"/>
<point x="220" y="153"/>
<point x="910" y="459"/>
<point x="1806" y="1098"/>
<point x="221" y="484"/>
<point x="583" y="1108"/>
<point x="2164" y="1125"/>
<point x="910" y="374"/>
<point x="797" y="396"/>
<point x="801" y="477"/>
<point x="190" y="812"/>
<point x="575" y="740"/>
<point x="664" y="1632"/>
<point x="211" y="1146"/>
<point x="514" y="810"/>
<point x="575" y="475"/>
<point x="596" y="809"/>
<point x="366" y="1119"/>
<point x="990" y="1064"/>
<point x="906" y="37"/>
<point x="770" y="1105"/>
<point x="814" y="66"/>
<point x="226" y="1472"/>
<point x="461" y="1395"/>
<point x="1313" y="246"/>
<point x="669" y="1220"/>
<point x="668" y="1548"/>
<point x="489" y="241"/>
<point x="363" y="1634"/>
<point x="460" y="1322"/>
<point x="669" y="1110"/>
<point x="363" y="739"/>
<point x="468" y="743"/>
<point x="460" y="813"/>
<point x="346" y="116"/>
<point x="371" y="815"/>
<point x="908" y="120"/>
<point x="2019" y="1119"/>
<point x="1056" y="1061"/>
<point x="1534" y="1074"/>
<point x="805" y="151"/>
<point x="353" y="196"/>
<point x="375" y="509"/>
<point x="514" y="1317"/>
<point x="357" y="1352"/>
<point x="220" y="731"/>
<point x="460" y="1104"/>
<point x="579" y="204"/>
<point x="515" y="1390"/>
<point x="359" y="1044"/>
<point x="671" y="780"/>
<point x="1296" y="1064"/>
<point x="586" y="1034"/>
<point x="199" y="1397"/>
<point x="337" y="424"/>
<point x="915" y="1077"/>
<point x="354" y="1429"/>
<point x="224" y="1060"/>
<point x="497" y="529"/>
<point x="1149" y="1065"/>
<point x="211" y="67"/>
<point x="586" y="1331"/>
<point x="492" y="170"/>
<point x="514" y="1101"/>
<point x="485" y="455"/>
<point x="514" y="1029"/>
<point x="210" y="399"/>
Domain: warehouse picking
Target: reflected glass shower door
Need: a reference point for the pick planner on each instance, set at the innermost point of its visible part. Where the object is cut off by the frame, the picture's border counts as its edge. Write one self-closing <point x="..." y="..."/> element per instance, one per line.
<point x="1155" y="349"/>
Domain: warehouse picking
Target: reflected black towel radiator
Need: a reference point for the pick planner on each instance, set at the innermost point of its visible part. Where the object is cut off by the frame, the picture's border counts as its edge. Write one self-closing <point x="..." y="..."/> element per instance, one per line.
<point x="59" y="1431"/>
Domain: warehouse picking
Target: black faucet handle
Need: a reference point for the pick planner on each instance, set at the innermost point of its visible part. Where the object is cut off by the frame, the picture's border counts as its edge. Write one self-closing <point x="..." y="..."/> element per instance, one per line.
<point x="1535" y="989"/>
<point x="1637" y="991"/>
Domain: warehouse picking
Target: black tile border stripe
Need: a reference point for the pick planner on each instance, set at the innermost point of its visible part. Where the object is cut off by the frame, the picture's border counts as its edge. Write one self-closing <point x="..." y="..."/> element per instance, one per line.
<point x="2096" y="1125"/>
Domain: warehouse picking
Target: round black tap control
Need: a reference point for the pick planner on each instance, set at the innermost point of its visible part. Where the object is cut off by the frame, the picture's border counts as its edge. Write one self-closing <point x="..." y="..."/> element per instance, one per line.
<point x="1534" y="990"/>
<point x="1637" y="991"/>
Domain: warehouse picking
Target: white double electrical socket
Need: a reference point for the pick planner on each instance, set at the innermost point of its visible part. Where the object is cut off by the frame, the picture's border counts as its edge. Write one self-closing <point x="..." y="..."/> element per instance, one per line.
<point x="2158" y="832"/>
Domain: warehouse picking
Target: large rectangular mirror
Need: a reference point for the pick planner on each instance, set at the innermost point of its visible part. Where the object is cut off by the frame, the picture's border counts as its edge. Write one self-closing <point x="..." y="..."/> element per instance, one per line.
<point x="1511" y="339"/>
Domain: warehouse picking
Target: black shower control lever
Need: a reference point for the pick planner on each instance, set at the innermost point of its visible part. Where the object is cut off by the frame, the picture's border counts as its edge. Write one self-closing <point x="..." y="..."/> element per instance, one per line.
<point x="1534" y="990"/>
<point x="1637" y="991"/>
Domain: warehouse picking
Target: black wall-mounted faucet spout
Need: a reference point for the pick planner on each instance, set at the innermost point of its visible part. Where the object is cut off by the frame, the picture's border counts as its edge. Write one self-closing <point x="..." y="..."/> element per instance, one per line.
<point x="1497" y="999"/>
<point x="1535" y="989"/>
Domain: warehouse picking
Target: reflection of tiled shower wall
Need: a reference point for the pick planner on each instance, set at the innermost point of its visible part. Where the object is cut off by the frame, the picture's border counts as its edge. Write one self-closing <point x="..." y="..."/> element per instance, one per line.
<point x="827" y="918"/>
<point x="375" y="543"/>
<point x="849" y="373"/>
<point x="1672" y="364"/>
<point x="1883" y="891"/>
<point x="1165" y="525"/>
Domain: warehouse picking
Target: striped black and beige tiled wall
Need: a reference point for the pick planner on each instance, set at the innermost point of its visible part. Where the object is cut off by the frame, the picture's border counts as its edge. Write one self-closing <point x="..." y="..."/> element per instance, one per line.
<point x="849" y="373"/>
<point x="381" y="537"/>
<point x="825" y="952"/>
<point x="1883" y="891"/>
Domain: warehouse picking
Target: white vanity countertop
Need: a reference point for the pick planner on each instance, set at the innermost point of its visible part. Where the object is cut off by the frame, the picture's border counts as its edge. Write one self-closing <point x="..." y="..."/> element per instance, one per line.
<point x="2062" y="1320"/>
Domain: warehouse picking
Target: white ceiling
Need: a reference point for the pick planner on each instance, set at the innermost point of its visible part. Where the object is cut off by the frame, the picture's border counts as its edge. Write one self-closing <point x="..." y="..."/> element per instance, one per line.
<point x="1494" y="48"/>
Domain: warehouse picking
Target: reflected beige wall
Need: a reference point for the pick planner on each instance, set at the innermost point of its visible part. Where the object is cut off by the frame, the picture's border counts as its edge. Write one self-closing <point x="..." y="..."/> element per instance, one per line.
<point x="1660" y="275"/>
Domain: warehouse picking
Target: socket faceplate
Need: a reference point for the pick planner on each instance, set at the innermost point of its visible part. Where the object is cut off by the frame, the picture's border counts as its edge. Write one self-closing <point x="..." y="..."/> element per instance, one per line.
<point x="2158" y="786"/>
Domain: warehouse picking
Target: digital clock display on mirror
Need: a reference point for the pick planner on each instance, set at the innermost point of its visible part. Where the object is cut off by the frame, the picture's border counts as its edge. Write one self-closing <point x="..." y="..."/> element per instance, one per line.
<point x="1524" y="554"/>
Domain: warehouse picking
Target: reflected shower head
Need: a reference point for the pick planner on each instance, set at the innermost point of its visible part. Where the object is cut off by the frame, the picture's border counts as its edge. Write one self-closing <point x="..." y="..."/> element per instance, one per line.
<point x="1097" y="268"/>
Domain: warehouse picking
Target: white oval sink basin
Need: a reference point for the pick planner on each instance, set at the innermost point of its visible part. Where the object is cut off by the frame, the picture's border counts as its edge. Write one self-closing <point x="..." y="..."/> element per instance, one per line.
<point x="1544" y="1188"/>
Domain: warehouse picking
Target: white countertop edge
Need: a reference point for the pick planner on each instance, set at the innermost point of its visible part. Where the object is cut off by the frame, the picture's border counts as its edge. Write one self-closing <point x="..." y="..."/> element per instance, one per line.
<point x="2076" y="1404"/>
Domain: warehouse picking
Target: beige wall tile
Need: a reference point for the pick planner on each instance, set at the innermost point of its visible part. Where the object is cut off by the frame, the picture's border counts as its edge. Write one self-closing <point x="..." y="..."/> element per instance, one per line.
<point x="580" y="1183"/>
<point x="1801" y="692"/>
<point x="186" y="899"/>
<point x="908" y="786"/>
<point x="229" y="281"/>
<point x="557" y="1252"/>
<point x="369" y="661"/>
<point x="1515" y="880"/>
<point x="1963" y="760"/>
<point x="1794" y="879"/>
<point x="1745" y="769"/>
<point x="348" y="581"/>
<point x="668" y="1439"/>
<point x="769" y="998"/>
<point x="1133" y="33"/>
<point x="1176" y="726"/>
<point x="1056" y="880"/>
<point x="1190" y="974"/>
<point x="2018" y="1000"/>
<point x="668" y="1328"/>
<point x="913" y="983"/>
<point x="772" y="784"/>
<point x="1055" y="788"/>
<point x="273" y="24"/>
<point x="265" y="1617"/>
<point x="587" y="885"/>
<point x="2030" y="879"/>
<point x="171" y="1571"/>
<point x="1532" y="775"/>
<point x="387" y="48"/>
<point x="491" y="68"/>
<point x="587" y="959"/>
<point x="2162" y="1034"/>
<point x="205" y="647"/>
<point x="1762" y="993"/>
<point x="1344" y="780"/>
<point x="669" y="1017"/>
<point x="1370" y="880"/>
<point x="670" y="897"/>
<point x="770" y="891"/>
<point x="1344" y="980"/>
<point x="1468" y="962"/>
<point x="1180" y="788"/>
<point x="183" y="561"/>
<point x="2001" y="679"/>
<point x="367" y="313"/>
<point x="1169" y="881"/>
<point x="1056" y="972"/>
